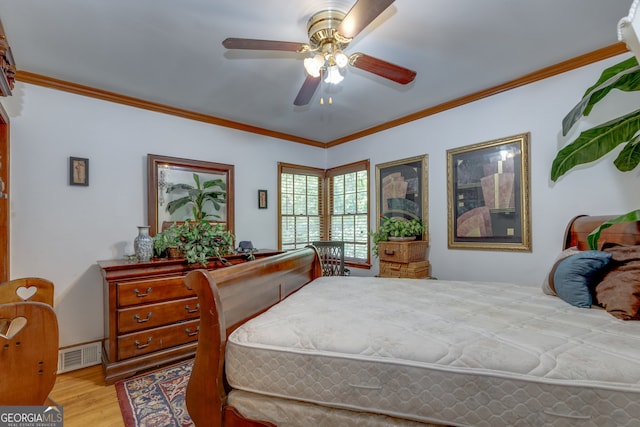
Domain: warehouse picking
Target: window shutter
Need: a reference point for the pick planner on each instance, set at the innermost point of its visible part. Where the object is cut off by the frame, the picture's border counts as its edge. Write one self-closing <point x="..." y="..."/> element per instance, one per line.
<point x="325" y="205"/>
<point x="301" y="208"/>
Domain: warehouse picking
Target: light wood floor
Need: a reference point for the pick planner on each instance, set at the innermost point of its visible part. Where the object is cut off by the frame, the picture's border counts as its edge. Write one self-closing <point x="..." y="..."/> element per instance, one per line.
<point x="86" y="399"/>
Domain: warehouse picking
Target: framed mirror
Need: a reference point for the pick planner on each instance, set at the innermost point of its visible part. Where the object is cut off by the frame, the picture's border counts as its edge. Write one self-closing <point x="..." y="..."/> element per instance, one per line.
<point x="488" y="195"/>
<point x="174" y="185"/>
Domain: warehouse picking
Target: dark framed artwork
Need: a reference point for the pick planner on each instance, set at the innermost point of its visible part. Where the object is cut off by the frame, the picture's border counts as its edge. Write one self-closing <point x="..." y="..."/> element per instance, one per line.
<point x="402" y="190"/>
<point x="488" y="195"/>
<point x="262" y="199"/>
<point x="78" y="171"/>
<point x="165" y="173"/>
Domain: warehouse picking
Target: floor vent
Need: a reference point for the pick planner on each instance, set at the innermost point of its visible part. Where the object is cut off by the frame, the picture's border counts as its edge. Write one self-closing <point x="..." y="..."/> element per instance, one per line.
<point x="78" y="357"/>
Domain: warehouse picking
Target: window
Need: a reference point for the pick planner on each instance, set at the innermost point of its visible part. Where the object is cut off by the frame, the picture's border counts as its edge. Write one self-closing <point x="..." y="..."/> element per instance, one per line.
<point x="349" y="209"/>
<point x="325" y="205"/>
<point x="301" y="206"/>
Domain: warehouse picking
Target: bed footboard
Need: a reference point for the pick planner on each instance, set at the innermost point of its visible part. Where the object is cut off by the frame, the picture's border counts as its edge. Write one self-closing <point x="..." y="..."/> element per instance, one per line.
<point x="229" y="297"/>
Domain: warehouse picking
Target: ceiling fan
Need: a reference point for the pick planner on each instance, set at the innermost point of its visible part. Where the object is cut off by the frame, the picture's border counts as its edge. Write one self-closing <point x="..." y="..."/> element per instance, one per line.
<point x="330" y="32"/>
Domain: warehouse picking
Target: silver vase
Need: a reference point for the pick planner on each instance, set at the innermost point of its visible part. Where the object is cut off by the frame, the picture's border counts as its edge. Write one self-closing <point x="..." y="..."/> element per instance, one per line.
<point x="143" y="244"/>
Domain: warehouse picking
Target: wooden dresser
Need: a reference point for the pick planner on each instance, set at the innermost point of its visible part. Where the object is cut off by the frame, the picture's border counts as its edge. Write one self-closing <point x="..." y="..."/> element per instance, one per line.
<point x="151" y="318"/>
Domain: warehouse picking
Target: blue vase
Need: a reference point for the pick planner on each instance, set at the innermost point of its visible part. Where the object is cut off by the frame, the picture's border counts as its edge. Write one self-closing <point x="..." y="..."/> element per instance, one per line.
<point x="143" y="244"/>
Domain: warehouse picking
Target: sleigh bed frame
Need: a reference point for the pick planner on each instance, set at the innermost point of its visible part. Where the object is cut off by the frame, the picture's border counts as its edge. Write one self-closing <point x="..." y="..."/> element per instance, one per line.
<point x="231" y="296"/>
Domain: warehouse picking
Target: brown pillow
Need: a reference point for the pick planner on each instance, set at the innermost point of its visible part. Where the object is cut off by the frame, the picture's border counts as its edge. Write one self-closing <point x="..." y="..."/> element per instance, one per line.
<point x="619" y="290"/>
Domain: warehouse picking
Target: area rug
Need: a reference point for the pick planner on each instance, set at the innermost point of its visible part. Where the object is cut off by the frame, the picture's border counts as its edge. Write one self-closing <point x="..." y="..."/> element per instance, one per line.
<point x="156" y="399"/>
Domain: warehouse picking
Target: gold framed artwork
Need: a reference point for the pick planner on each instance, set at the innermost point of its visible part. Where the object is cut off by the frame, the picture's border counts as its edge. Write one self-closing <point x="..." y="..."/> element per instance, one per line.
<point x="488" y="195"/>
<point x="402" y="190"/>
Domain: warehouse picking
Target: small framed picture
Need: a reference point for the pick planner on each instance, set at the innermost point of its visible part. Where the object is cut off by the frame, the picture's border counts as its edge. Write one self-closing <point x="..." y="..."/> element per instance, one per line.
<point x="78" y="171"/>
<point x="262" y="199"/>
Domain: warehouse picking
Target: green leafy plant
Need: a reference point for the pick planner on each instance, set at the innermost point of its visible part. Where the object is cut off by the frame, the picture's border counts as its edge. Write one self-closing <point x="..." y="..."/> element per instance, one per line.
<point x="213" y="192"/>
<point x="594" y="143"/>
<point x="197" y="241"/>
<point x="396" y="227"/>
<point x="163" y="240"/>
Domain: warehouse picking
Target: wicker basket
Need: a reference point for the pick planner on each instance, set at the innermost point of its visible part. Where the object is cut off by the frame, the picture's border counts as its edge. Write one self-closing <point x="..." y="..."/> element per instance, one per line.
<point x="411" y="270"/>
<point x="403" y="251"/>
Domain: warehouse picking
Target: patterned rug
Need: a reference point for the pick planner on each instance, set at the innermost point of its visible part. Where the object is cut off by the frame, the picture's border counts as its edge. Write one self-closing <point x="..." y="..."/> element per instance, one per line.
<point x="156" y="399"/>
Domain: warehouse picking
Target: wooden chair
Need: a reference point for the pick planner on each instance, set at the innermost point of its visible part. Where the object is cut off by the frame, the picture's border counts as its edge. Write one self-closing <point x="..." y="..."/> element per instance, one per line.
<point x="31" y="289"/>
<point x="28" y="342"/>
<point x="331" y="257"/>
<point x="28" y="353"/>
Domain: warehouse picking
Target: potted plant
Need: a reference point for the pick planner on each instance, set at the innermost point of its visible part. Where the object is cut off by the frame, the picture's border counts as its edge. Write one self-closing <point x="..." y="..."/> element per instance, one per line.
<point x="396" y="228"/>
<point x="166" y="242"/>
<point x="596" y="142"/>
<point x="196" y="241"/>
<point x="201" y="239"/>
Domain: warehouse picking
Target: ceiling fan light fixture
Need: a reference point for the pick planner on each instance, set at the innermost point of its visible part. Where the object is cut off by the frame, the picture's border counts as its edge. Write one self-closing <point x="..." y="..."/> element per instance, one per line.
<point x="330" y="32"/>
<point x="314" y="65"/>
<point x="333" y="75"/>
<point x="340" y="58"/>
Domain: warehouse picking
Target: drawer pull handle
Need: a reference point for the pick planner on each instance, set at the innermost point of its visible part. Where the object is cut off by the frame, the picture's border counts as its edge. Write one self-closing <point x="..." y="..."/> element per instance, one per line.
<point x="388" y="252"/>
<point x="192" y="310"/>
<point x="139" y="295"/>
<point x="191" y="334"/>
<point x="141" y="320"/>
<point x="141" y="346"/>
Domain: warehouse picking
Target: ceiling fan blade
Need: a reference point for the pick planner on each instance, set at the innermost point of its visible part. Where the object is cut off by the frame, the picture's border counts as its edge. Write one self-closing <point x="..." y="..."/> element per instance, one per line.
<point x="307" y="90"/>
<point x="382" y="68"/>
<point x="255" y="44"/>
<point x="361" y="15"/>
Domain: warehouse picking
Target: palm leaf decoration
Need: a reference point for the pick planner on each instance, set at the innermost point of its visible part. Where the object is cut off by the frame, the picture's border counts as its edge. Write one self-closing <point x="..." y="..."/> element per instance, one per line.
<point x="624" y="76"/>
<point x="592" y="238"/>
<point x="596" y="142"/>
<point x="198" y="197"/>
<point x="629" y="157"/>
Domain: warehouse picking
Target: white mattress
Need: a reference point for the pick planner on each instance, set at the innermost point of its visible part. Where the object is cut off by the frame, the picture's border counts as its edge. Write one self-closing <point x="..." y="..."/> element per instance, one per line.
<point x="481" y="354"/>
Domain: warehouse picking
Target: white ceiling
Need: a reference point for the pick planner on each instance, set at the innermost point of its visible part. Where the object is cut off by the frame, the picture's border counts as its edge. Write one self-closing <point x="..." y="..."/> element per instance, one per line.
<point x="170" y="52"/>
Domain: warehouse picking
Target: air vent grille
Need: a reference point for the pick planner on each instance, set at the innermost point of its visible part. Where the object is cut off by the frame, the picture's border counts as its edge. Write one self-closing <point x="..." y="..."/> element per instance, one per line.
<point x="78" y="357"/>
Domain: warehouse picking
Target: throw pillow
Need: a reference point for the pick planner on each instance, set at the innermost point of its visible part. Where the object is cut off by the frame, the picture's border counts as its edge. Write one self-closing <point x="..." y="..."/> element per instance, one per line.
<point x="577" y="275"/>
<point x="547" y="284"/>
<point x="619" y="290"/>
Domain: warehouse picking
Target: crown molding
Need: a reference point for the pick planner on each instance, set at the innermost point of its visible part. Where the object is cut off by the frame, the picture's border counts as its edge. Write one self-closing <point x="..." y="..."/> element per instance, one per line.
<point x="66" y="86"/>
<point x="562" y="67"/>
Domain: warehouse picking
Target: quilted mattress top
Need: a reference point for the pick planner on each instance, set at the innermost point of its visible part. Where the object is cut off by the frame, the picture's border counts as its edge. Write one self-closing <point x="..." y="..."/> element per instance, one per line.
<point x="494" y="329"/>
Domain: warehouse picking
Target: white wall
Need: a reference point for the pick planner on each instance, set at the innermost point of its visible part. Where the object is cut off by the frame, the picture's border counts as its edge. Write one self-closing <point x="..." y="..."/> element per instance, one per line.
<point x="536" y="108"/>
<point x="59" y="231"/>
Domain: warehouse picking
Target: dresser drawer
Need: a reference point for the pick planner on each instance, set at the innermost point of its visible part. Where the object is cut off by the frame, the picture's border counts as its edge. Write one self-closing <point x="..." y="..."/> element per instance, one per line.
<point x="153" y="315"/>
<point x="409" y="270"/>
<point x="403" y="251"/>
<point x="151" y="340"/>
<point x="150" y="291"/>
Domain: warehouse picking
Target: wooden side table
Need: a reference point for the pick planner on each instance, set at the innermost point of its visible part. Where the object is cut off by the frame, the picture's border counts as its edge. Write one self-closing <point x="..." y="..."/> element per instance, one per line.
<point x="404" y="259"/>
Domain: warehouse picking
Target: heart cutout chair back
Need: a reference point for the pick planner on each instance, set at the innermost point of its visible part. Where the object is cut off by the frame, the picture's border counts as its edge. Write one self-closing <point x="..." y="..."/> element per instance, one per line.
<point x="28" y="353"/>
<point x="25" y="293"/>
<point x="32" y="289"/>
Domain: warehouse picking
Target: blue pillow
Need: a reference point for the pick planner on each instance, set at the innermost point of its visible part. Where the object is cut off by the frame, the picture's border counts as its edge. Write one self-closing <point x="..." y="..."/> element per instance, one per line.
<point x="577" y="275"/>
